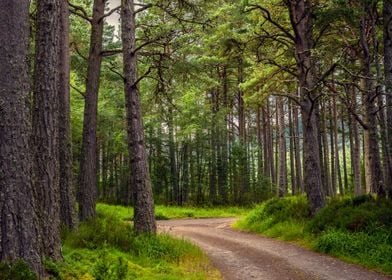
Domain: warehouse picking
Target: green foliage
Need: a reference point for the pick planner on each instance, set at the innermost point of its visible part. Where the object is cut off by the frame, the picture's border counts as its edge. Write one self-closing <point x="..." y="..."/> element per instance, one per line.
<point x="373" y="250"/>
<point x="163" y="212"/>
<point x="107" y="248"/>
<point x="18" y="270"/>
<point x="355" y="229"/>
<point x="362" y="213"/>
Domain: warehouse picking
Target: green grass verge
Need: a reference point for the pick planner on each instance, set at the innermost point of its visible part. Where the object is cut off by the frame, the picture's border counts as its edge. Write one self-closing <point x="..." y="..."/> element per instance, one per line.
<point x="107" y="248"/>
<point x="358" y="230"/>
<point x="175" y="212"/>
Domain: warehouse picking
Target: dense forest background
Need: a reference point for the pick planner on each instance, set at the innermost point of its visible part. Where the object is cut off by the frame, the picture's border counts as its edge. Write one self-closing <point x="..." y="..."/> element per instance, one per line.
<point x="221" y="101"/>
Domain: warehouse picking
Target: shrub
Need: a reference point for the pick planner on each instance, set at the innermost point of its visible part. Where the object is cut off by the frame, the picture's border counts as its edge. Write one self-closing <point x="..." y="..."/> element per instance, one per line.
<point x="18" y="270"/>
<point x="362" y="213"/>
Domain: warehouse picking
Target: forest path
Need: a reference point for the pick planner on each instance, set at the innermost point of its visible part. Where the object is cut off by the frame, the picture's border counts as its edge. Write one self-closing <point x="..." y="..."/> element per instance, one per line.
<point x="242" y="256"/>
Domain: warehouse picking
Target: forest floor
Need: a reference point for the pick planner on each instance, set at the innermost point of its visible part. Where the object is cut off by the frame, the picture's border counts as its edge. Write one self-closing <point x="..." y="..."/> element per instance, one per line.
<point x="241" y="255"/>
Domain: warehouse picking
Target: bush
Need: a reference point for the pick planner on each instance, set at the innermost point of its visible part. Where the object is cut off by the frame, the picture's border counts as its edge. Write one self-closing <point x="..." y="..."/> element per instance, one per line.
<point x="357" y="229"/>
<point x="362" y="213"/>
<point x="18" y="270"/>
<point x="360" y="247"/>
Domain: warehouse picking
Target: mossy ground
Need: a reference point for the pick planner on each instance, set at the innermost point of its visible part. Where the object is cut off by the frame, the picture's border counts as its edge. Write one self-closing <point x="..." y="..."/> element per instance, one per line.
<point x="358" y="230"/>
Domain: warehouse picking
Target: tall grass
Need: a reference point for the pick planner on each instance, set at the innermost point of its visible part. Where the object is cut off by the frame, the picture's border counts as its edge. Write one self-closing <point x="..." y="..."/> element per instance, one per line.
<point x="358" y="229"/>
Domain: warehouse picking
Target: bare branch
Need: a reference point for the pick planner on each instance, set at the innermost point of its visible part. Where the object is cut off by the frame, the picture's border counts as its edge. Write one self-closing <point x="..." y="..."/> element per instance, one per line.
<point x="78" y="91"/>
<point x="143" y="8"/>
<point x="79" y="11"/>
<point x="267" y="16"/>
<point x="106" y="53"/>
<point x="108" y="14"/>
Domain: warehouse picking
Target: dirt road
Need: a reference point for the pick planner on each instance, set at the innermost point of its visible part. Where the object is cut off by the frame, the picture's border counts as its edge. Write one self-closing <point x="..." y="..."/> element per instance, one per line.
<point x="244" y="256"/>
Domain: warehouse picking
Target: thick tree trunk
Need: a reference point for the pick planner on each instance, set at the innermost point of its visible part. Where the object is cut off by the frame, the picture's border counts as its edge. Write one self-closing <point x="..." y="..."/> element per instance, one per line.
<point x="144" y="219"/>
<point x="88" y="166"/>
<point x="374" y="178"/>
<point x="46" y="126"/>
<point x="387" y="13"/>
<point x="19" y="228"/>
<point x="300" y="16"/>
<point x="67" y="196"/>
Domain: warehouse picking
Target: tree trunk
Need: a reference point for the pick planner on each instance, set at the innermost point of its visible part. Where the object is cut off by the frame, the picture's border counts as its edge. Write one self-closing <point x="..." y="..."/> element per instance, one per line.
<point x="300" y="16"/>
<point x="374" y="178"/>
<point x="144" y="219"/>
<point x="356" y="148"/>
<point x="46" y="126"/>
<point x="19" y="236"/>
<point x="293" y="180"/>
<point x="282" y="183"/>
<point x="88" y="167"/>
<point x="67" y="197"/>
<point x="297" y="151"/>
<point x="387" y="12"/>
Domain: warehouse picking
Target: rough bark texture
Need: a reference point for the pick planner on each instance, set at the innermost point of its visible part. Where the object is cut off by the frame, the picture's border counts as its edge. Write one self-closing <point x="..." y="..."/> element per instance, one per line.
<point x="300" y="16"/>
<point x="18" y="223"/>
<point x="387" y="12"/>
<point x="144" y="219"/>
<point x="87" y="194"/>
<point x="374" y="178"/>
<point x="45" y="126"/>
<point x="67" y="197"/>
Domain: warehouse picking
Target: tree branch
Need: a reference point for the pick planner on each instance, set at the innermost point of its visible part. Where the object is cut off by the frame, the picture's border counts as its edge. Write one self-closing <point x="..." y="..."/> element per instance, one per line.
<point x="79" y="11"/>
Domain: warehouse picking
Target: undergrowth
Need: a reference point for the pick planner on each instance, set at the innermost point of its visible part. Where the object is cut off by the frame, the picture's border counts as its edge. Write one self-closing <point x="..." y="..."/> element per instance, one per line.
<point x="176" y="212"/>
<point x="358" y="230"/>
<point x="107" y="248"/>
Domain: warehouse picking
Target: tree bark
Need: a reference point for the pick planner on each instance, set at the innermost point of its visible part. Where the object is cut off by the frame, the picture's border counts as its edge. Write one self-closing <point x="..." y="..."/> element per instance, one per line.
<point x="300" y="17"/>
<point x="144" y="219"/>
<point x="387" y="13"/>
<point x="88" y="166"/>
<point x="67" y="196"/>
<point x="46" y="126"/>
<point x="374" y="178"/>
<point x="19" y="228"/>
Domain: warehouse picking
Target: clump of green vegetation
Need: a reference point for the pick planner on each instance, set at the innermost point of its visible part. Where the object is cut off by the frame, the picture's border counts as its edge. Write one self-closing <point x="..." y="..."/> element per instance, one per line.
<point x="357" y="229"/>
<point x="107" y="248"/>
<point x="175" y="212"/>
<point x="278" y="217"/>
<point x="16" y="271"/>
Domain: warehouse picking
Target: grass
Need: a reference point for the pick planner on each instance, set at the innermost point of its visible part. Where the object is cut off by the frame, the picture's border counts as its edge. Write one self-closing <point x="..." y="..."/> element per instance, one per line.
<point x="175" y="212"/>
<point x="107" y="248"/>
<point x="358" y="230"/>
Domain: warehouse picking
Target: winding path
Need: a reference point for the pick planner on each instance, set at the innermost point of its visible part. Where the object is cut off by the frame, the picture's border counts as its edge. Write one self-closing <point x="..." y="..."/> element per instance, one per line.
<point x="242" y="256"/>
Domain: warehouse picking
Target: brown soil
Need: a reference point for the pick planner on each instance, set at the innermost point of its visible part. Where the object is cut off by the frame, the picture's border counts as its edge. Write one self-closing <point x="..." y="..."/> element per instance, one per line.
<point x="242" y="256"/>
